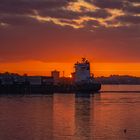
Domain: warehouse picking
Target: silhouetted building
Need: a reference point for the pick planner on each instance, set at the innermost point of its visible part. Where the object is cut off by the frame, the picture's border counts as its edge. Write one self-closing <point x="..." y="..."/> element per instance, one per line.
<point x="56" y="75"/>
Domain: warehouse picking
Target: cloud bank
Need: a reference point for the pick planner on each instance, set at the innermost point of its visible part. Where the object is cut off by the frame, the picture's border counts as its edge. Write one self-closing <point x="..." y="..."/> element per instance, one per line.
<point x="58" y="30"/>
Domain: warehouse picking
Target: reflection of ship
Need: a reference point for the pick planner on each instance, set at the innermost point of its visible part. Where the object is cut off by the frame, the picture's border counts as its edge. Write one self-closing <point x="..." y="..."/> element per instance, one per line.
<point x="83" y="116"/>
<point x="82" y="77"/>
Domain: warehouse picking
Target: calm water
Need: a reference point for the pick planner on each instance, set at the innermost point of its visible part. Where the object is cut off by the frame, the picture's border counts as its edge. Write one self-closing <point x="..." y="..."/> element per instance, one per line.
<point x="101" y="116"/>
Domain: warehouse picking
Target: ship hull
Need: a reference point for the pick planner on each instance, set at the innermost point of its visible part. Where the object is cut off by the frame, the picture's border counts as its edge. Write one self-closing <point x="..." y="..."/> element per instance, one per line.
<point x="91" y="87"/>
<point x="48" y="89"/>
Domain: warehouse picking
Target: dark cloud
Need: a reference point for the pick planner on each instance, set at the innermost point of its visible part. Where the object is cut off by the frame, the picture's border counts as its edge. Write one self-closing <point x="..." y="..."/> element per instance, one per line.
<point x="18" y="20"/>
<point x="118" y="4"/>
<point x="125" y="5"/>
<point x="26" y="6"/>
<point x="59" y="13"/>
<point x="138" y="1"/>
<point x="67" y="14"/>
<point x="129" y="19"/>
<point x="91" y="24"/>
<point x="99" y="13"/>
<point x="17" y="10"/>
<point x="132" y="9"/>
<point x="27" y="38"/>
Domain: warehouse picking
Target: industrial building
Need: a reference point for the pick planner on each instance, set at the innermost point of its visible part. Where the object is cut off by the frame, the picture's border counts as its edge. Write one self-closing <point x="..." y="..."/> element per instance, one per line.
<point x="56" y="76"/>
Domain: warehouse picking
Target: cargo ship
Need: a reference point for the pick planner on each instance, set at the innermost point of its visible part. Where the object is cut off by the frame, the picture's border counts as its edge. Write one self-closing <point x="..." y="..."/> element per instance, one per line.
<point x="81" y="81"/>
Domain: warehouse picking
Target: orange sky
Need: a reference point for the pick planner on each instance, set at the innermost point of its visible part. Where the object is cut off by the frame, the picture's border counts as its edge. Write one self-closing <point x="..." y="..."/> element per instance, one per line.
<point x="42" y="68"/>
<point x="37" y="36"/>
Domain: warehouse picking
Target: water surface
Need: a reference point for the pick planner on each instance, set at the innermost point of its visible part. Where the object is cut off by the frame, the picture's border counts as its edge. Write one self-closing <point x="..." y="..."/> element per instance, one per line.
<point x="101" y="116"/>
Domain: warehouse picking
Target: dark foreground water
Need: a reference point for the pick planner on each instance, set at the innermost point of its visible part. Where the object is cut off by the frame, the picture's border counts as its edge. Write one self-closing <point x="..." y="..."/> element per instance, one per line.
<point x="101" y="116"/>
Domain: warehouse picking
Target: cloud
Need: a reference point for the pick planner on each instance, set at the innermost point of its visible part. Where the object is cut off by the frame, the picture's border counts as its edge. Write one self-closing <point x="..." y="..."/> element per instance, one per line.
<point x="131" y="8"/>
<point x="27" y="6"/>
<point x="72" y="13"/>
<point x="91" y="24"/>
<point x="59" y="13"/>
<point x="18" y="20"/>
<point x="107" y="3"/>
<point x="99" y="13"/>
<point x="129" y="19"/>
<point x="50" y="30"/>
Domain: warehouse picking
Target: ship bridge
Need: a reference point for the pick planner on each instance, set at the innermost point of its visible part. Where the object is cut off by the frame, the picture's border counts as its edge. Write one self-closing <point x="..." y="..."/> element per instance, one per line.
<point x="82" y="71"/>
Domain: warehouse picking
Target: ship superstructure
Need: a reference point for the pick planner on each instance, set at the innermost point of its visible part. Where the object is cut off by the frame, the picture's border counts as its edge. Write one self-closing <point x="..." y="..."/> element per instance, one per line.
<point x="82" y="72"/>
<point x="83" y="81"/>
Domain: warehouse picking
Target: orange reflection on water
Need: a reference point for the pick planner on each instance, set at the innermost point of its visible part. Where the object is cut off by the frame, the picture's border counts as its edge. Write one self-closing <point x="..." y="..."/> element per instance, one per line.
<point x="64" y="116"/>
<point x="70" y="117"/>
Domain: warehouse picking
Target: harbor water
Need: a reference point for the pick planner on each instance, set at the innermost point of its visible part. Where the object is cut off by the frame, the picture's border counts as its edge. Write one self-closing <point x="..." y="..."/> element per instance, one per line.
<point x="113" y="114"/>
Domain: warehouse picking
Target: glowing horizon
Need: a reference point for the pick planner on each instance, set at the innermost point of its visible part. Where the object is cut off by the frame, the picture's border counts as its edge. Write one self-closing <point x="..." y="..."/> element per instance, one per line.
<point x="43" y="68"/>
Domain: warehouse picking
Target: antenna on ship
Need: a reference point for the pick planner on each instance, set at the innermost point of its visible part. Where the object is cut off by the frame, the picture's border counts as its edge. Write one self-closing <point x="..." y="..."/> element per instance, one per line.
<point x="83" y="59"/>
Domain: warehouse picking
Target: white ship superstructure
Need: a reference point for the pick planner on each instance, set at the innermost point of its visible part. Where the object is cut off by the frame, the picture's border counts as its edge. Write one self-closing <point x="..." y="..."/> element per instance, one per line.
<point x="82" y="71"/>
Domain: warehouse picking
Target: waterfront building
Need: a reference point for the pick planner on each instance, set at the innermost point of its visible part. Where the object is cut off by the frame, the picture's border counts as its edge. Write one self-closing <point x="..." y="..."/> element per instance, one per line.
<point x="56" y="76"/>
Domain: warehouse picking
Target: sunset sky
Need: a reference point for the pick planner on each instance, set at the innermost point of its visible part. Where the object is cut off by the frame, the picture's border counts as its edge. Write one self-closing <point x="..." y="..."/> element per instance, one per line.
<point x="37" y="36"/>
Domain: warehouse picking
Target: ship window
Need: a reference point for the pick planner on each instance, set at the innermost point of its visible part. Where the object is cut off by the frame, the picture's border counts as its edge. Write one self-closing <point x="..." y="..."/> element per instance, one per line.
<point x="88" y="68"/>
<point x="83" y="68"/>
